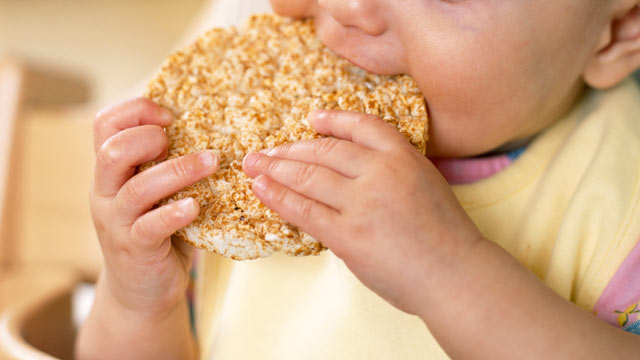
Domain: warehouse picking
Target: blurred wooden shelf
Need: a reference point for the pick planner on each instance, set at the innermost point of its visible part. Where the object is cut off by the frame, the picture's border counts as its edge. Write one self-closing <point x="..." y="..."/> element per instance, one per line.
<point x="53" y="217"/>
<point x="11" y="100"/>
<point x="46" y="162"/>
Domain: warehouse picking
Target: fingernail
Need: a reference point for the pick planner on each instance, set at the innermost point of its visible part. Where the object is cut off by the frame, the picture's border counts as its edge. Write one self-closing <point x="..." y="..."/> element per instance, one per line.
<point x="166" y="115"/>
<point x="268" y="152"/>
<point x="251" y="159"/>
<point x="318" y="114"/>
<point x="208" y="158"/>
<point x="185" y="206"/>
<point x="260" y="183"/>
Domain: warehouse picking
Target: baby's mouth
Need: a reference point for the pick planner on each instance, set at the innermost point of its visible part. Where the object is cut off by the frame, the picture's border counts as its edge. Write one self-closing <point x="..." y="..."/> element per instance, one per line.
<point x="362" y="59"/>
<point x="354" y="61"/>
<point x="350" y="59"/>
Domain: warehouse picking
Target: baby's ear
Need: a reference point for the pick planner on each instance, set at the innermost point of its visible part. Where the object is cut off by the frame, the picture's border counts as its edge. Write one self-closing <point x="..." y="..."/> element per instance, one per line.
<point x="619" y="51"/>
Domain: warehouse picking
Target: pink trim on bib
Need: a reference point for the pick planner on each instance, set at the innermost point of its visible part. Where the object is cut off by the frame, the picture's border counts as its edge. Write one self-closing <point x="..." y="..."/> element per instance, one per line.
<point x="468" y="170"/>
<point x="619" y="303"/>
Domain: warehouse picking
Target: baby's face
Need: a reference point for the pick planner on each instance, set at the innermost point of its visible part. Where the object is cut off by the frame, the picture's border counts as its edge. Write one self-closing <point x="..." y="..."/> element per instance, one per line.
<point x="493" y="72"/>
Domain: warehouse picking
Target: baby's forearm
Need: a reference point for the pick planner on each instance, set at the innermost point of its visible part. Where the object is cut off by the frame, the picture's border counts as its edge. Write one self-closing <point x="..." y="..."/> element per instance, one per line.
<point x="113" y="332"/>
<point x="486" y="305"/>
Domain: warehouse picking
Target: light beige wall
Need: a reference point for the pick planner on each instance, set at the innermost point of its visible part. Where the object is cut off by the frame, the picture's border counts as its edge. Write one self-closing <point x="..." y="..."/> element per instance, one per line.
<point x="115" y="43"/>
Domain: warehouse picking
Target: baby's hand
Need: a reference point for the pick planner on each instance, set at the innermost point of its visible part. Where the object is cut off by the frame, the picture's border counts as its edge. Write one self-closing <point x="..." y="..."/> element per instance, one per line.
<point x="145" y="270"/>
<point x="370" y="197"/>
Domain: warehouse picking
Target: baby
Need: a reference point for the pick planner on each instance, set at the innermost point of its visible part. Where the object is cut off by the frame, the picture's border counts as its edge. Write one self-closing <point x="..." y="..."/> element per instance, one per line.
<point x="516" y="237"/>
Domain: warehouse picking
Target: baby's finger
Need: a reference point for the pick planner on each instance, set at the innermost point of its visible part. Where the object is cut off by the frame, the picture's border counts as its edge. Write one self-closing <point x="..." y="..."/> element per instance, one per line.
<point x="345" y="157"/>
<point x="130" y="113"/>
<point x="313" y="181"/>
<point x="142" y="191"/>
<point x="151" y="229"/>
<point x="309" y="215"/>
<point x="363" y="129"/>
<point x="118" y="157"/>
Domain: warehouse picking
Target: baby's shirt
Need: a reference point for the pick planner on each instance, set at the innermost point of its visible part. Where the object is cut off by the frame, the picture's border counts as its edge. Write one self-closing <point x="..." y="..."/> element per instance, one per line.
<point x="579" y="186"/>
<point x="568" y="209"/>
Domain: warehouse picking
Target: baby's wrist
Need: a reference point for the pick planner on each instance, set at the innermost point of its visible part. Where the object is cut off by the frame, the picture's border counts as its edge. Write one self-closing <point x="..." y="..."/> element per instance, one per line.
<point x="457" y="274"/>
<point x="440" y="269"/>
<point x="118" y="302"/>
<point x="115" y="330"/>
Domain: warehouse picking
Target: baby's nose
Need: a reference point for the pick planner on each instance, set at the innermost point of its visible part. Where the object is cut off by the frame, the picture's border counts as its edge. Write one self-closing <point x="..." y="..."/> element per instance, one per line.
<point x="363" y="14"/>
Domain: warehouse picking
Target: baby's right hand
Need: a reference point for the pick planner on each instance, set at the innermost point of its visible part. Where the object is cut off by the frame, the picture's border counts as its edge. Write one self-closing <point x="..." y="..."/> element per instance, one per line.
<point x="146" y="271"/>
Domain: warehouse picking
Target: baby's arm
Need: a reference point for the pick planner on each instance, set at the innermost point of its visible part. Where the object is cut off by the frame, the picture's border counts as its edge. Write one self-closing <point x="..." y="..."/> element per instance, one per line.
<point x="140" y="309"/>
<point x="387" y="212"/>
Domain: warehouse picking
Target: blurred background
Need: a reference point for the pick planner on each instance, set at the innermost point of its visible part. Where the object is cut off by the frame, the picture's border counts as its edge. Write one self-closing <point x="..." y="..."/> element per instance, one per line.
<point x="75" y="57"/>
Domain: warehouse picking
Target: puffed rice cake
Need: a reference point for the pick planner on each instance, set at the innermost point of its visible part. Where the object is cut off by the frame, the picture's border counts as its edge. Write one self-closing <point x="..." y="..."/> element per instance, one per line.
<point x="235" y="91"/>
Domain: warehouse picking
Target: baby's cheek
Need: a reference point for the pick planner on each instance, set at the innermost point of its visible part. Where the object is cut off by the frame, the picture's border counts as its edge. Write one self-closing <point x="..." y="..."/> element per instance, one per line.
<point x="476" y="103"/>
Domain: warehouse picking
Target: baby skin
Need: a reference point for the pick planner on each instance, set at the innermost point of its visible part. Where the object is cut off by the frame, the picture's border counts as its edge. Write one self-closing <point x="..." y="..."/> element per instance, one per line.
<point x="495" y="73"/>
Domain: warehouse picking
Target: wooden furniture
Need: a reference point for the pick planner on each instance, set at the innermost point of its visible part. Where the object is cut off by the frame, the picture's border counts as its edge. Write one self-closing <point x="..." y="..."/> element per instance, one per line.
<point x="36" y="320"/>
<point x="11" y="90"/>
<point x="25" y="87"/>
<point x="35" y="286"/>
<point x="53" y="219"/>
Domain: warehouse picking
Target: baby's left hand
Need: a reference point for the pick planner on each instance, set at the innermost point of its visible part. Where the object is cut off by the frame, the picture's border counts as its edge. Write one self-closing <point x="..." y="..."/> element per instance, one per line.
<point x="370" y="197"/>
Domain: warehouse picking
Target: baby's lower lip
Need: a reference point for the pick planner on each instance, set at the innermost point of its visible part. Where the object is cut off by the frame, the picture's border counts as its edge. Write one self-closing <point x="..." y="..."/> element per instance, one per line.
<point x="354" y="62"/>
<point x="350" y="59"/>
<point x="360" y="65"/>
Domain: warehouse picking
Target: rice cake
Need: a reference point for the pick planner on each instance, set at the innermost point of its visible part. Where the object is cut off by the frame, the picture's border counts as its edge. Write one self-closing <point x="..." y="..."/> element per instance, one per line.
<point x="238" y="90"/>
